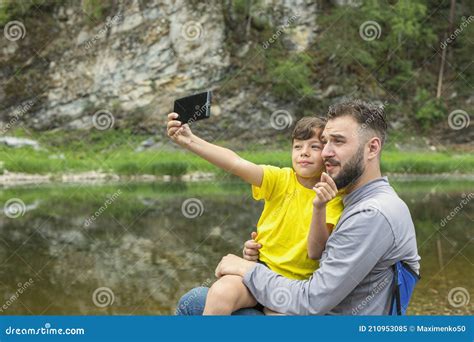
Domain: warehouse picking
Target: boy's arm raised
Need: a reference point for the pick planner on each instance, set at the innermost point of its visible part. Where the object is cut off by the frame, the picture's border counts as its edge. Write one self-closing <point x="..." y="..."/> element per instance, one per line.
<point x="219" y="156"/>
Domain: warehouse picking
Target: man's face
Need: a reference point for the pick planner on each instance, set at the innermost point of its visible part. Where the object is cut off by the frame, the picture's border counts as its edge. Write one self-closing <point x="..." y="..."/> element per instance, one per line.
<point x="343" y="153"/>
<point x="306" y="157"/>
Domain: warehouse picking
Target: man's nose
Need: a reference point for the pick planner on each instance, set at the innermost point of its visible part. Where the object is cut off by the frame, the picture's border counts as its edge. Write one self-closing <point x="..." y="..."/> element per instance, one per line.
<point x="327" y="151"/>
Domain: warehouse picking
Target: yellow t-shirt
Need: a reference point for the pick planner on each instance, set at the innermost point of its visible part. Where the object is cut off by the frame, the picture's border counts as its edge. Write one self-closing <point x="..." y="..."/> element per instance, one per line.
<point x="284" y="224"/>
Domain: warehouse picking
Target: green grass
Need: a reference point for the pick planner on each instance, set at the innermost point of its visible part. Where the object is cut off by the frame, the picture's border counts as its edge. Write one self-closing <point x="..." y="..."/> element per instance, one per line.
<point x="427" y="163"/>
<point x="127" y="162"/>
<point x="114" y="152"/>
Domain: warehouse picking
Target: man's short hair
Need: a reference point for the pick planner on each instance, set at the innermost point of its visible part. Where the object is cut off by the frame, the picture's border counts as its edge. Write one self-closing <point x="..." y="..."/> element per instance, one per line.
<point x="370" y="116"/>
<point x="304" y="128"/>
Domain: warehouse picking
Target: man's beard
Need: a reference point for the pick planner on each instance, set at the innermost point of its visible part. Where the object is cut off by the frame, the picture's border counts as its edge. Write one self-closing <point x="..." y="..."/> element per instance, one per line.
<point x="351" y="171"/>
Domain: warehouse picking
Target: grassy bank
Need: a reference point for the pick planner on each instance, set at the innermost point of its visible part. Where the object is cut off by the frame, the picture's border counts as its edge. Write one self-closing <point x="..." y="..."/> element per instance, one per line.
<point x="115" y="152"/>
<point x="124" y="161"/>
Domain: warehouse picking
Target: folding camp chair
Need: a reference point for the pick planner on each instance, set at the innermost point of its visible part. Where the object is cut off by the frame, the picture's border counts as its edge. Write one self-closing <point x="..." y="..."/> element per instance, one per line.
<point x="404" y="283"/>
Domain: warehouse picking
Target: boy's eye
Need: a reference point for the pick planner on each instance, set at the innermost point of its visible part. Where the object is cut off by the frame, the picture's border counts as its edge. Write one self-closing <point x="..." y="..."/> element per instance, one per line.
<point x="318" y="147"/>
<point x="297" y="146"/>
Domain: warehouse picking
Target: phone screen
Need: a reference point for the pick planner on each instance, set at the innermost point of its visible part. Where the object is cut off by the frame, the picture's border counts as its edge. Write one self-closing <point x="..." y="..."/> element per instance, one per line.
<point x="193" y="108"/>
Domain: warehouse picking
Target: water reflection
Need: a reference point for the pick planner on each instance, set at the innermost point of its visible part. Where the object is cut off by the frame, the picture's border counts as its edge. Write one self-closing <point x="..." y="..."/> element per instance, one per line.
<point x="143" y="251"/>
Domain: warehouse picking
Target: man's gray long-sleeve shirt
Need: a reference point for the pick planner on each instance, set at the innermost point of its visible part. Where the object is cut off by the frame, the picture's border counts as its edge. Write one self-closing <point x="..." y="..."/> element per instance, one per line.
<point x="355" y="275"/>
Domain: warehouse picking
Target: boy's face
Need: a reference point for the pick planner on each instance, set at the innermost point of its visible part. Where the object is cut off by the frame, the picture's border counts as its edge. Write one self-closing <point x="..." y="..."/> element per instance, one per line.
<point x="306" y="156"/>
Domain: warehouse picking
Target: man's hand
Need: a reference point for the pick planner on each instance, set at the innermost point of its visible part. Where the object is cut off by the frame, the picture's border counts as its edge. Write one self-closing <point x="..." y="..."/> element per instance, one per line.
<point x="251" y="248"/>
<point x="232" y="264"/>
<point x="325" y="190"/>
<point x="179" y="133"/>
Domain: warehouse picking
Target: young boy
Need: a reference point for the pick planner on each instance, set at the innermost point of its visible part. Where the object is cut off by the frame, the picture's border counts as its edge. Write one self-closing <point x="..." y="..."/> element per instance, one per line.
<point x="292" y="238"/>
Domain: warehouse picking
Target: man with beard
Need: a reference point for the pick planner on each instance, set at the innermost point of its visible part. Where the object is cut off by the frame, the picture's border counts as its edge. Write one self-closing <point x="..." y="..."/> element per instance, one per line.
<point x="374" y="232"/>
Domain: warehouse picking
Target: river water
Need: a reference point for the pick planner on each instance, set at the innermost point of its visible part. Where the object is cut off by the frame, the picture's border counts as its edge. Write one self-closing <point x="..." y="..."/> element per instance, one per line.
<point x="134" y="249"/>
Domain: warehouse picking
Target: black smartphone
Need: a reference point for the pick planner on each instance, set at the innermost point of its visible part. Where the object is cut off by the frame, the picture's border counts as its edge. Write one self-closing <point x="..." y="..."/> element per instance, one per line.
<point x="193" y="108"/>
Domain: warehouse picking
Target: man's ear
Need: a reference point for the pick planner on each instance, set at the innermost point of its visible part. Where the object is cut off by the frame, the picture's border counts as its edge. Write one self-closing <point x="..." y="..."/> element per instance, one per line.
<point x="375" y="147"/>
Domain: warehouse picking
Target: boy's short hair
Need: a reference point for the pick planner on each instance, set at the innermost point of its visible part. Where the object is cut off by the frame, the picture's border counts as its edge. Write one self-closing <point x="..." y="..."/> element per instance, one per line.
<point x="304" y="128"/>
<point x="370" y="116"/>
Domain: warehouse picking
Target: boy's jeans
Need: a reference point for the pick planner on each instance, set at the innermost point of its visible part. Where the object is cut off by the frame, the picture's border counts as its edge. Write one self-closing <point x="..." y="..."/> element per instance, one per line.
<point x="193" y="302"/>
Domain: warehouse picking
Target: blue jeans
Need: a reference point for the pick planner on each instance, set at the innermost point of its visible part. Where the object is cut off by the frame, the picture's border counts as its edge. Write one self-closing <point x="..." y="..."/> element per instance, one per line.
<point x="193" y="302"/>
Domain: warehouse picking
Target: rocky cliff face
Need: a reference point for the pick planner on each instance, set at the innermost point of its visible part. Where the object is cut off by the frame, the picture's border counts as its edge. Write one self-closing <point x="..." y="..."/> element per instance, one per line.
<point x="134" y="62"/>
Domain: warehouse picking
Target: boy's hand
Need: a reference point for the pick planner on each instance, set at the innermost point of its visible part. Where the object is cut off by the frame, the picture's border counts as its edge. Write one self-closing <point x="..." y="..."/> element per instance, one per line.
<point x="251" y="248"/>
<point x="179" y="133"/>
<point x="325" y="190"/>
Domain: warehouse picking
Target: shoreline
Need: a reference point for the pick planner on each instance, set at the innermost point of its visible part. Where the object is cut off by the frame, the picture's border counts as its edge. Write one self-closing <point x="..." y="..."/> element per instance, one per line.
<point x="12" y="179"/>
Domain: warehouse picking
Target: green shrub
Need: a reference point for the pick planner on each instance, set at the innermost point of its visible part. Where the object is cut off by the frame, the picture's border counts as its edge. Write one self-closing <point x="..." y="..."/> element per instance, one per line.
<point x="291" y="77"/>
<point x="93" y="8"/>
<point x="13" y="9"/>
<point x="128" y="168"/>
<point x="429" y="110"/>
